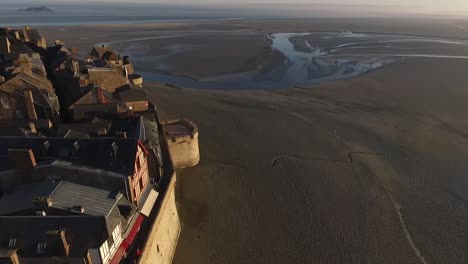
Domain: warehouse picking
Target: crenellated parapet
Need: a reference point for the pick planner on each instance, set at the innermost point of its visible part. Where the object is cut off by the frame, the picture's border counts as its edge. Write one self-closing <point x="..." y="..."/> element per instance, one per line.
<point x="182" y="139"/>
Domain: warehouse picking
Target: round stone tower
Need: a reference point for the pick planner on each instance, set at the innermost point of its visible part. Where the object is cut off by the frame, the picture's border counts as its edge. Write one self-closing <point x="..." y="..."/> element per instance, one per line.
<point x="182" y="139"/>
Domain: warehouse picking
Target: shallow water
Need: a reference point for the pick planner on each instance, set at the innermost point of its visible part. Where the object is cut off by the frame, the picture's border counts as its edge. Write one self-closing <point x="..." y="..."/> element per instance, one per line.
<point x="328" y="56"/>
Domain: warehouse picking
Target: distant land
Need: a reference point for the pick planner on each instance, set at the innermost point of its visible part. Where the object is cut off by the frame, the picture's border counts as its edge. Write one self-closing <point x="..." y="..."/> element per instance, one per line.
<point x="40" y="9"/>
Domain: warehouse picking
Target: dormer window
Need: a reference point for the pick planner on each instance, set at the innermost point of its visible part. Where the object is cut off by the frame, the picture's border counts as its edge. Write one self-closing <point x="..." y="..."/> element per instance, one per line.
<point x="114" y="151"/>
<point x="76" y="148"/>
<point x="46" y="147"/>
<point x="12" y="243"/>
<point x="41" y="248"/>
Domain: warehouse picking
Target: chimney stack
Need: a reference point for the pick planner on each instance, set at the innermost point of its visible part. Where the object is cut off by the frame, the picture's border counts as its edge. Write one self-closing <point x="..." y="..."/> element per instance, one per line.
<point x="29" y="99"/>
<point x="32" y="127"/>
<point x="9" y="256"/>
<point x="121" y="134"/>
<point x="22" y="158"/>
<point x="42" y="203"/>
<point x="25" y="34"/>
<point x="57" y="243"/>
<point x="17" y="35"/>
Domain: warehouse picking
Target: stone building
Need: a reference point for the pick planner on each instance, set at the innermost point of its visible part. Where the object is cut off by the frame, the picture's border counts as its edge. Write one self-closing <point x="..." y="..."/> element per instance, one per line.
<point x="27" y="96"/>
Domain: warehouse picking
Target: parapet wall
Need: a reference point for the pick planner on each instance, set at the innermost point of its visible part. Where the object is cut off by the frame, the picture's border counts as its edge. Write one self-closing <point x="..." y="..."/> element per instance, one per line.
<point x="182" y="140"/>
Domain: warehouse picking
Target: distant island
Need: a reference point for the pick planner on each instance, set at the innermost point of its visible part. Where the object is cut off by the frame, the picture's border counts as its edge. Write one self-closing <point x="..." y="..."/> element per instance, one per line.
<point x="41" y="9"/>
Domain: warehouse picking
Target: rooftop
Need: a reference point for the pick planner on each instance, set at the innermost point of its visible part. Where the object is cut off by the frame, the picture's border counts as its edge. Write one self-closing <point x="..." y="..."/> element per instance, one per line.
<point x="93" y="201"/>
<point x="109" y="154"/>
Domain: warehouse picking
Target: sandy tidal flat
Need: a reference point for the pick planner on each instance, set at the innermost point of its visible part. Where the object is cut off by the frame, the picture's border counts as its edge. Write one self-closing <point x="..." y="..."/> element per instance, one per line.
<point x="369" y="170"/>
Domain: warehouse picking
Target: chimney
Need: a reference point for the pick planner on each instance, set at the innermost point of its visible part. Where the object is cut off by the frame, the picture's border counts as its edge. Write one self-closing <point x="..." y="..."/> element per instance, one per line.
<point x="32" y="127"/>
<point x="22" y="158"/>
<point x="121" y="134"/>
<point x="77" y="209"/>
<point x="25" y="35"/>
<point x="42" y="203"/>
<point x="76" y="148"/>
<point x="9" y="256"/>
<point x="83" y="81"/>
<point x="57" y="243"/>
<point x="28" y="98"/>
<point x="25" y="64"/>
<point x="17" y="35"/>
<point x="101" y="131"/>
<point x="8" y="45"/>
<point x="41" y="213"/>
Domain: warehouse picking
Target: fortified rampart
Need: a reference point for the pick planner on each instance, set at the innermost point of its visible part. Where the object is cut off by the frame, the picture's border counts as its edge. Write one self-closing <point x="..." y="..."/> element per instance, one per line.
<point x="182" y="140"/>
<point x="162" y="243"/>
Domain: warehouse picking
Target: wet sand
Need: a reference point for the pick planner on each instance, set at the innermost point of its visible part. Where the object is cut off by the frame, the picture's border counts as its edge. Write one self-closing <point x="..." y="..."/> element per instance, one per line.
<point x="369" y="170"/>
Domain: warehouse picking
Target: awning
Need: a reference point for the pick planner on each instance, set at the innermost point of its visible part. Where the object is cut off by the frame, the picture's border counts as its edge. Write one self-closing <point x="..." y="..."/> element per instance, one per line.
<point x="136" y="227"/>
<point x="149" y="203"/>
<point x="119" y="254"/>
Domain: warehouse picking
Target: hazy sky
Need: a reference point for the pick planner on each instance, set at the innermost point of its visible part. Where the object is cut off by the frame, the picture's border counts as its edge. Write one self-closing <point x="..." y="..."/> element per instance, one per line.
<point x="404" y="6"/>
<point x="413" y="5"/>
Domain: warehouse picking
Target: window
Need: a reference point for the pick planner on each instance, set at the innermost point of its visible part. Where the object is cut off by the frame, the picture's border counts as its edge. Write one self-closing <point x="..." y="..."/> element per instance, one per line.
<point x="116" y="233"/>
<point x="41" y="247"/>
<point x="19" y="114"/>
<point x="142" y="184"/>
<point x="138" y="163"/>
<point x="12" y="243"/>
<point x="137" y="190"/>
<point x="104" y="250"/>
<point x="5" y="104"/>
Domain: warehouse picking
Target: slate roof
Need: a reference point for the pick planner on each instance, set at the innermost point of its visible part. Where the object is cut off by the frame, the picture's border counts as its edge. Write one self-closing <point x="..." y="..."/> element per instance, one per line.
<point x="115" y="155"/>
<point x="87" y="128"/>
<point x="99" y="51"/>
<point x="22" y="197"/>
<point x="103" y="211"/>
<point x="33" y="34"/>
<point x="93" y="200"/>
<point x="111" y="56"/>
<point x="22" y="49"/>
<point x="42" y="90"/>
<point x="84" y="232"/>
<point x="134" y="126"/>
<point x="131" y="93"/>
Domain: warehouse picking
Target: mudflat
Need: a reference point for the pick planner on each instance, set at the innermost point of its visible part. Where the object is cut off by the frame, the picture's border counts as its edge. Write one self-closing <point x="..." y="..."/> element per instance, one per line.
<point x="265" y="54"/>
<point x="370" y="169"/>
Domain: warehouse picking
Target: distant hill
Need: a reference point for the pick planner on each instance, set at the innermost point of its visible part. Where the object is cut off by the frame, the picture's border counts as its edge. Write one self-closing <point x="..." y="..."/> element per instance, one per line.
<point x="39" y="10"/>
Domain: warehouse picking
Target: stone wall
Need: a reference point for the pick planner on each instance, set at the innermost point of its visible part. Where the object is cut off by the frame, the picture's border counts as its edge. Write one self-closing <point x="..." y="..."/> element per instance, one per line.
<point x="164" y="234"/>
